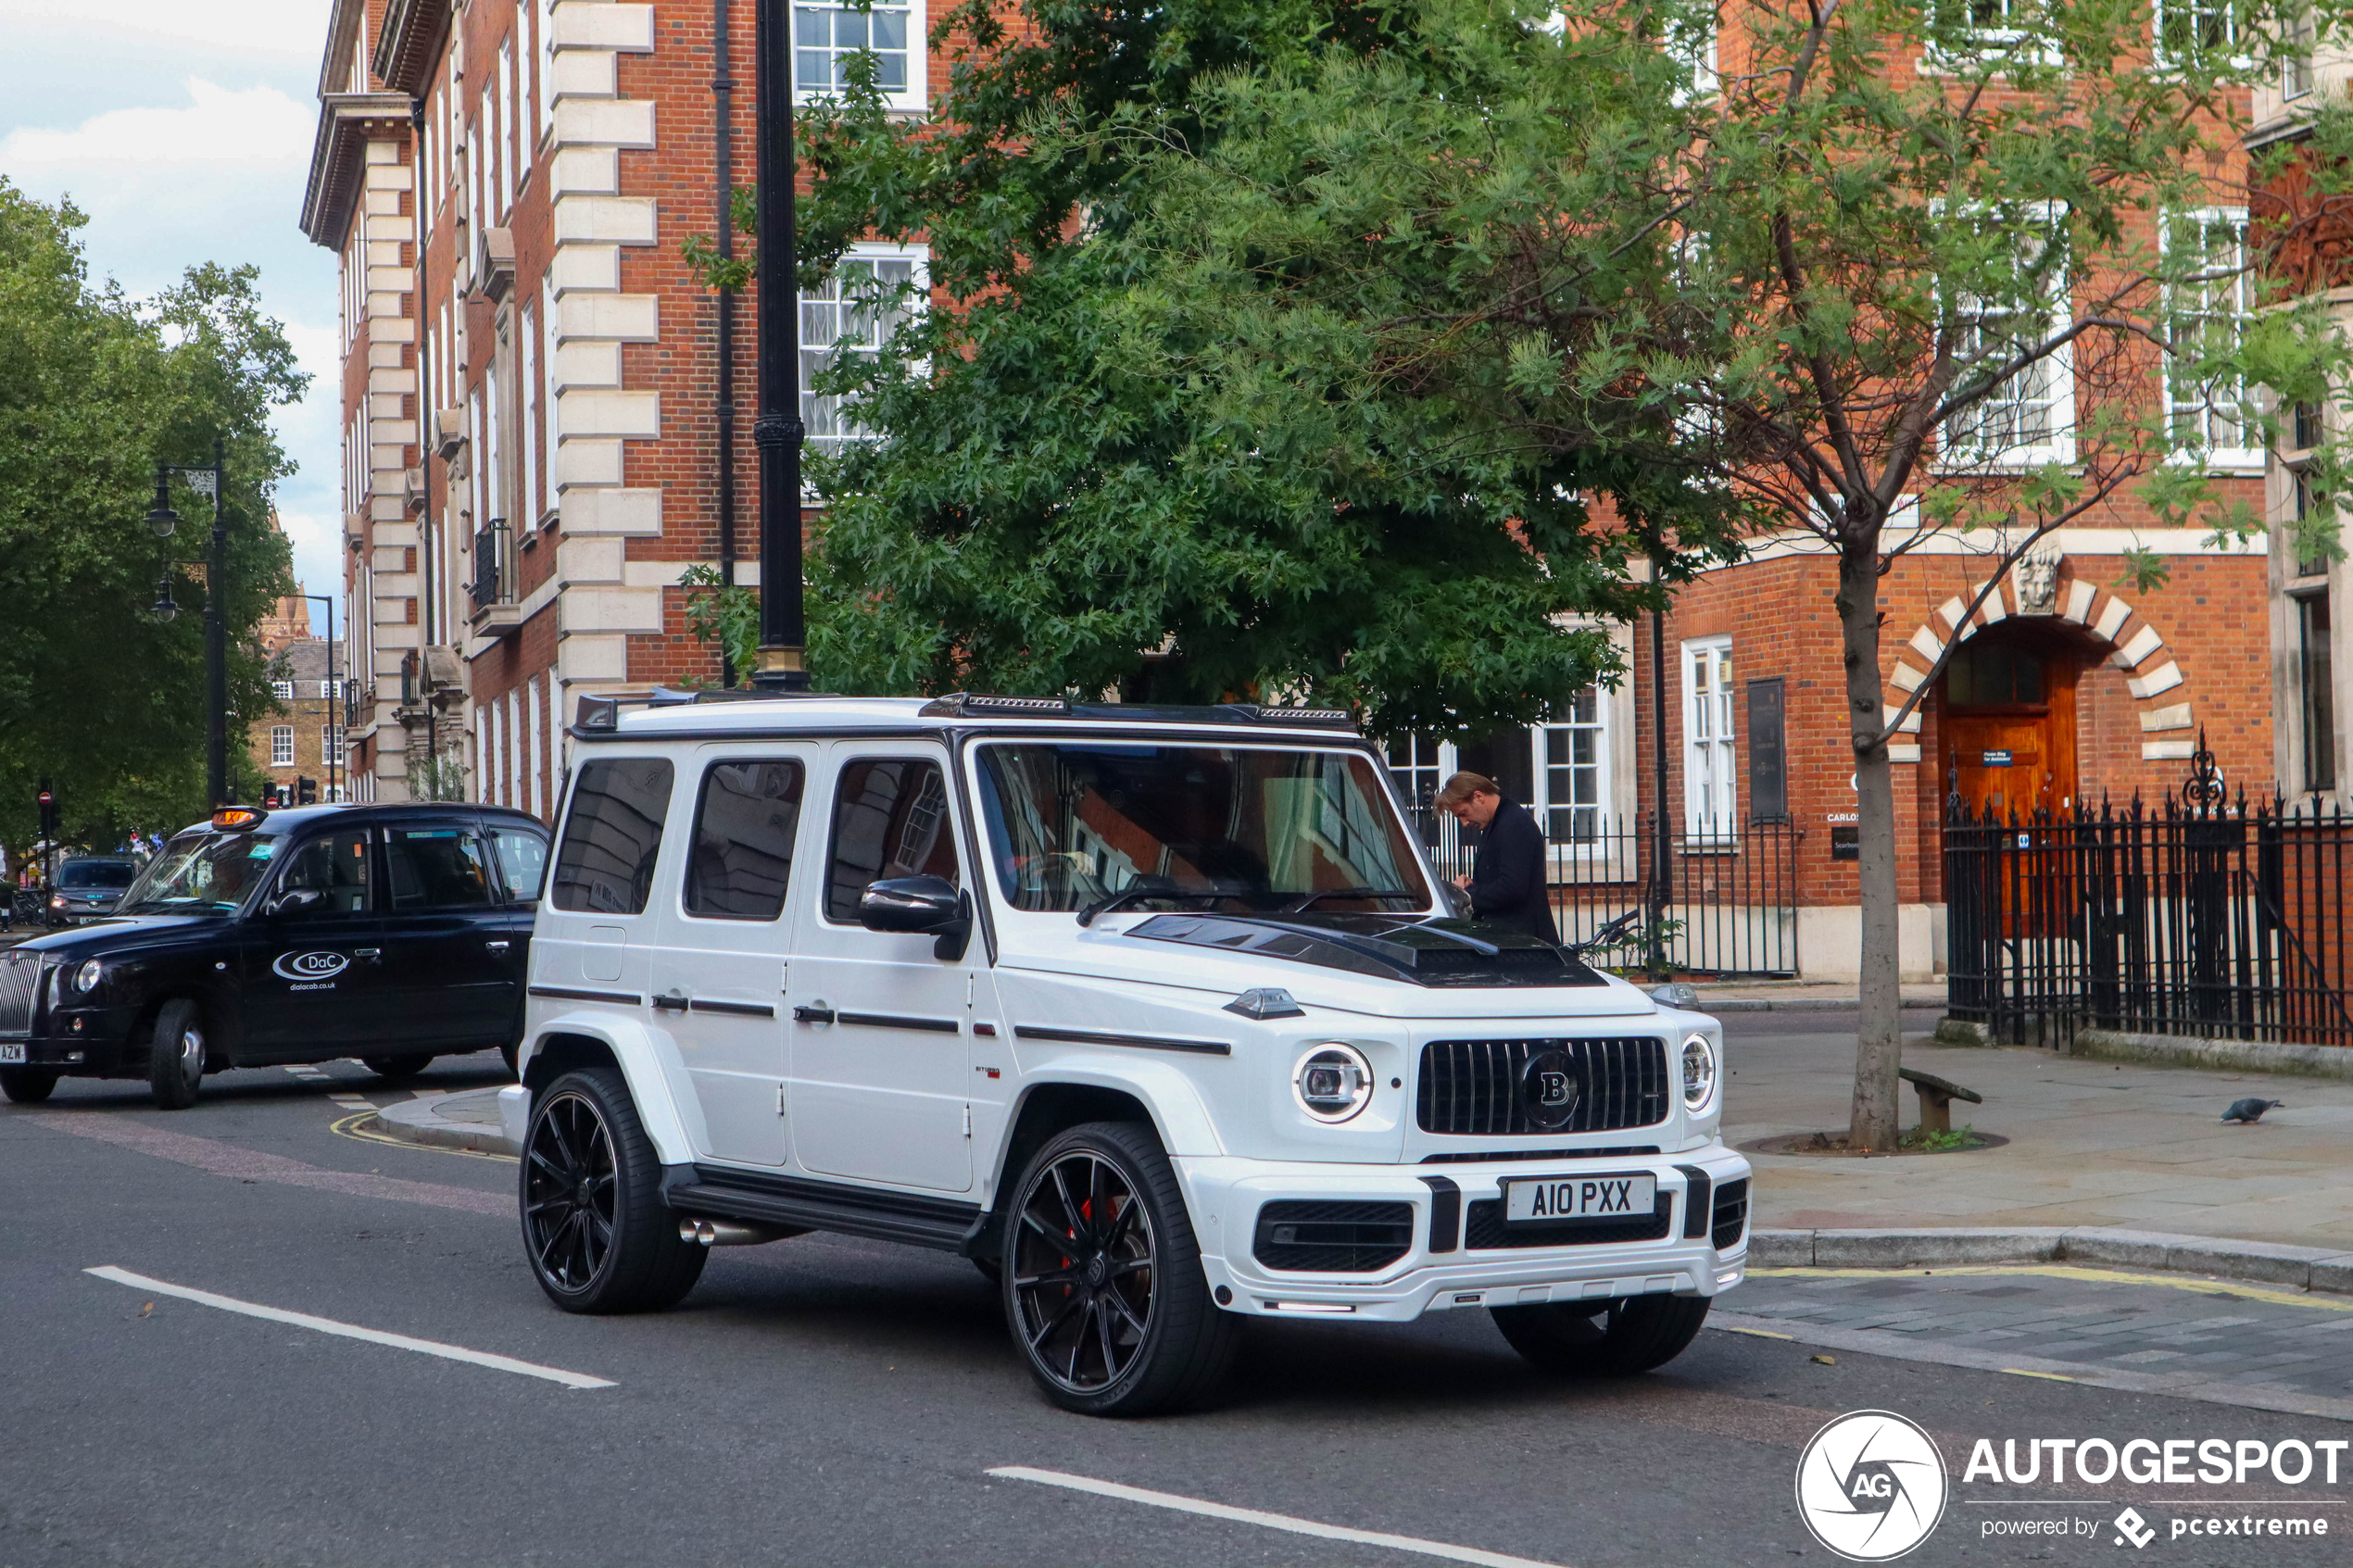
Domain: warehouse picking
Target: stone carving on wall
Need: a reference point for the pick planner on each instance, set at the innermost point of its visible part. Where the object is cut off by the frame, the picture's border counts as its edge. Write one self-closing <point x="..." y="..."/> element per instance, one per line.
<point x="2036" y="578"/>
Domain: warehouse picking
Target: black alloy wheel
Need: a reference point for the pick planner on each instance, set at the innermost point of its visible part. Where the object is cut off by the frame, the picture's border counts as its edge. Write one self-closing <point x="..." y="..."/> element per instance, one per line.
<point x="27" y="1085"/>
<point x="1103" y="1277"/>
<point x="599" y="1236"/>
<point x="1618" y="1337"/>
<point x="175" y="1056"/>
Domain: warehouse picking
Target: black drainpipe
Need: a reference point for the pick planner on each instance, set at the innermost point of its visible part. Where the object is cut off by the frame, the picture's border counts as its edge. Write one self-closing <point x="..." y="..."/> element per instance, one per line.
<point x="723" y="88"/>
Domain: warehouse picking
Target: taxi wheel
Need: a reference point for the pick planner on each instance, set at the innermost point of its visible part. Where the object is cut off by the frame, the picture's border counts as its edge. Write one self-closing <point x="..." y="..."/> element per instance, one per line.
<point x="175" y="1060"/>
<point x="599" y="1236"/>
<point x="1624" y="1336"/>
<point x="394" y="1068"/>
<point x="1101" y="1279"/>
<point x="27" y="1085"/>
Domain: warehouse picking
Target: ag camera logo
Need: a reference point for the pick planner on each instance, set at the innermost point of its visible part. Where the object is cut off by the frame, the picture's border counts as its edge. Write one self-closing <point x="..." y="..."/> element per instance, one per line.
<point x="310" y="966"/>
<point x="1871" y="1486"/>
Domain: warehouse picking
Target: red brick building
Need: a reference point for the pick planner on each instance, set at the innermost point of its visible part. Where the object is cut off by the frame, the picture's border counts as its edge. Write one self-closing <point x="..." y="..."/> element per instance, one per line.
<point x="533" y="394"/>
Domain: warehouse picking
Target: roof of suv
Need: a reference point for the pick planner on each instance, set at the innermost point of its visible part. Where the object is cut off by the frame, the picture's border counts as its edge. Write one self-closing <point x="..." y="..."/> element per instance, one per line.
<point x="662" y="715"/>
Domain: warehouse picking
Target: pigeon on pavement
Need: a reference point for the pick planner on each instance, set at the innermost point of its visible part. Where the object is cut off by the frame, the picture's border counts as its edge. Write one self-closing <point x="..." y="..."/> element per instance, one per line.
<point x="2249" y="1109"/>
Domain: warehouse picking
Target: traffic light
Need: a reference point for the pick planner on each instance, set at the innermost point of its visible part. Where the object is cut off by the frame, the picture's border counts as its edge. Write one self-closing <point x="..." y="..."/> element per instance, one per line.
<point x="306" y="791"/>
<point x="48" y="811"/>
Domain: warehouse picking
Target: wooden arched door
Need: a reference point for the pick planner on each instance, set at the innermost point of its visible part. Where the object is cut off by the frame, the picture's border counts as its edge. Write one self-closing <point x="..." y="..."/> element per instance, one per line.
<point x="2006" y="713"/>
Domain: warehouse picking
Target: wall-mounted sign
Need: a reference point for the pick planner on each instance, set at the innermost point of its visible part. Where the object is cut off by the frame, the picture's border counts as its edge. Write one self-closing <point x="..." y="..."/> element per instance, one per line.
<point x="1992" y="758"/>
<point x="1838" y="816"/>
<point x="1846" y="844"/>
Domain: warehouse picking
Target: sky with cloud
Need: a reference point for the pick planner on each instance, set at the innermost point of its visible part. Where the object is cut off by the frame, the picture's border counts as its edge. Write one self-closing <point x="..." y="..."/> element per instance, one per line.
<point x="182" y="128"/>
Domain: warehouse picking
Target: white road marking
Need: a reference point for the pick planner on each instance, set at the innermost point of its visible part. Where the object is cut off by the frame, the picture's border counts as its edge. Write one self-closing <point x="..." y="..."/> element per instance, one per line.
<point x="1268" y="1521"/>
<point x="354" y="1101"/>
<point x="352" y="1330"/>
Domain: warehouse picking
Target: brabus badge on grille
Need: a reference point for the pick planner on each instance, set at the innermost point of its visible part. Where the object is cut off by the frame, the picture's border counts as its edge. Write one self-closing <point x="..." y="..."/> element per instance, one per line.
<point x="1548" y="1088"/>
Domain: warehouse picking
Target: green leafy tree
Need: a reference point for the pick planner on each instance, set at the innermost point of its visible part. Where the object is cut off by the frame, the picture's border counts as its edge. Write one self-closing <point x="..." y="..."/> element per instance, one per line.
<point x="97" y="695"/>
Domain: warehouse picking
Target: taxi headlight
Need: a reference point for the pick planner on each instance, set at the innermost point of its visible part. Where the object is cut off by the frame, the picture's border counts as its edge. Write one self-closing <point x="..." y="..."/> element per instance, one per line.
<point x="86" y="977"/>
<point x="1332" y="1082"/>
<point x="1699" y="1073"/>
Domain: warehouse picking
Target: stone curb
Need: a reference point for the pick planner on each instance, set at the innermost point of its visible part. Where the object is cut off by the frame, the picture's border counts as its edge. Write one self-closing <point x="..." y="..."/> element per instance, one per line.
<point x="1776" y="1004"/>
<point x="2178" y="1050"/>
<point x="2304" y="1268"/>
<point x="417" y="1121"/>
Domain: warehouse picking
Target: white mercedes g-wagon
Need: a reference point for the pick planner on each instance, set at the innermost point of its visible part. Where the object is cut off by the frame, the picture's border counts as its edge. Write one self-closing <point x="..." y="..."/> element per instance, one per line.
<point x="1158" y="1015"/>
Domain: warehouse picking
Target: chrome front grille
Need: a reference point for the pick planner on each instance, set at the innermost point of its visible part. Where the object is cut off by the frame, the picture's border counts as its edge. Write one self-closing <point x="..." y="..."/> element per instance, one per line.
<point x="1472" y="1087"/>
<point x="19" y="979"/>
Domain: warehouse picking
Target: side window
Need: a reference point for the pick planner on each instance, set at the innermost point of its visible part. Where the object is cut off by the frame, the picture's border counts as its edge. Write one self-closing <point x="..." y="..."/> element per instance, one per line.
<point x="521" y="858"/>
<point x="336" y="867"/>
<point x="613" y="835"/>
<point x="891" y="820"/>
<point x="435" y="868"/>
<point x="745" y="824"/>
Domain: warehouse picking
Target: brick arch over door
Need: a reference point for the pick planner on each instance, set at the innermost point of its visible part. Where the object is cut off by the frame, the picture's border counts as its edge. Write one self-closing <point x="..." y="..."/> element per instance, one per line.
<point x="2135" y="645"/>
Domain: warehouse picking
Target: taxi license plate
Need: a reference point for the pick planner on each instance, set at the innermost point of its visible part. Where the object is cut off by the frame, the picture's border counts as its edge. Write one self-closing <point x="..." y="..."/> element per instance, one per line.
<point x="1546" y="1199"/>
<point x="11" y="1050"/>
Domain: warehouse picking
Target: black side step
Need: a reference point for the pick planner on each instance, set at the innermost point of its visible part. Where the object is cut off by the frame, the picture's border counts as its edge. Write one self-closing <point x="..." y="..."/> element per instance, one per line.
<point x="712" y="1192"/>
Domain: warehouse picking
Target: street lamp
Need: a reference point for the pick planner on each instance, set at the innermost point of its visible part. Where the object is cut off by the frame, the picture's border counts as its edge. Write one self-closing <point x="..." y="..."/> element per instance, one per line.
<point x="777" y="431"/>
<point x="162" y="520"/>
<point x="335" y="752"/>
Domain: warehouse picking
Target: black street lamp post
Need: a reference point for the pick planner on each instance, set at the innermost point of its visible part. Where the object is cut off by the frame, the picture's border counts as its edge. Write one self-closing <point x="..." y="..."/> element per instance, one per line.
<point x="163" y="519"/>
<point x="334" y="696"/>
<point x="777" y="431"/>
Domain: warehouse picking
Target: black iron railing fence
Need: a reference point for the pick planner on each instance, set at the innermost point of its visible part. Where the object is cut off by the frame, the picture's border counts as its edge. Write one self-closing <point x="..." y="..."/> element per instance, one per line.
<point x="2195" y="916"/>
<point x="1727" y="905"/>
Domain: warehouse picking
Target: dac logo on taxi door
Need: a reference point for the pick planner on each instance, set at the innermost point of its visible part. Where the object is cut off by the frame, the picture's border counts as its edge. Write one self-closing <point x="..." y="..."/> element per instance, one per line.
<point x="311" y="966"/>
<point x="1870" y="1485"/>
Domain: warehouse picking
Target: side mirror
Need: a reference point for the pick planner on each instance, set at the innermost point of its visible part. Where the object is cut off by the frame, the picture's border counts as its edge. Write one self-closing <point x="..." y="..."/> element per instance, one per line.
<point x="295" y="901"/>
<point x="922" y="906"/>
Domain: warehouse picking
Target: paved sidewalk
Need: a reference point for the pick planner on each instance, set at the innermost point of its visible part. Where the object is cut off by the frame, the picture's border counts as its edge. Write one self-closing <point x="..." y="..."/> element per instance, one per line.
<point x="2235" y="1344"/>
<point x="2093" y="1143"/>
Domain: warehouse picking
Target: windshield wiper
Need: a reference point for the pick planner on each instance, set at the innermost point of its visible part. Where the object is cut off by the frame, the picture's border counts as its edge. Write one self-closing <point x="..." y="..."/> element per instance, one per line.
<point x="1125" y="896"/>
<point x="1297" y="905"/>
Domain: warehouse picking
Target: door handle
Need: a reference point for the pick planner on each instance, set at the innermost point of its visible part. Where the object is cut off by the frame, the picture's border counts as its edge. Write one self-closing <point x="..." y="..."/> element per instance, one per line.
<point x="821" y="1013"/>
<point x="674" y="1002"/>
<point x="374" y="955"/>
<point x="494" y="947"/>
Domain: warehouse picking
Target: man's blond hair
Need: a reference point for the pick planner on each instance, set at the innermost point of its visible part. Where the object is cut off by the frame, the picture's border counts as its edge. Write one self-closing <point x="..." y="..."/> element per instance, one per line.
<point x="1462" y="786"/>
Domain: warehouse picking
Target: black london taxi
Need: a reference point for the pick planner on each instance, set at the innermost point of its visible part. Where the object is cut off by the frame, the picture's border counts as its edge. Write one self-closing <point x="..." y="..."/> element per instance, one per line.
<point x="393" y="933"/>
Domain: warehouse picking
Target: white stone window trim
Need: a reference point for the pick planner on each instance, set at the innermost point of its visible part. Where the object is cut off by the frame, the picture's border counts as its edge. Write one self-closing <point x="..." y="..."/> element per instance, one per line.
<point x="1711" y="748"/>
<point x="863" y="251"/>
<point x="915" y="97"/>
<point x="2240" y="459"/>
<point x="282" y="745"/>
<point x="1957" y="450"/>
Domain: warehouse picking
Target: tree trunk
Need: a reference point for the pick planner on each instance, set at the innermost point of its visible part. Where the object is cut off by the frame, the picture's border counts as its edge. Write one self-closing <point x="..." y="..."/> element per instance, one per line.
<point x="1879" y="1021"/>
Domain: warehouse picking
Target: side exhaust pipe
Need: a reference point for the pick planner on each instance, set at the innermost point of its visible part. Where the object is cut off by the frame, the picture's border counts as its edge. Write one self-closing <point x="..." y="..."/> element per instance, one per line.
<point x="733" y="1233"/>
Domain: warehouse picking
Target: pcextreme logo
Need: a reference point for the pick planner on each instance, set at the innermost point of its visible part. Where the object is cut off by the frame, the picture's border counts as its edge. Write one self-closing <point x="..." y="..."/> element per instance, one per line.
<point x="1870" y="1485"/>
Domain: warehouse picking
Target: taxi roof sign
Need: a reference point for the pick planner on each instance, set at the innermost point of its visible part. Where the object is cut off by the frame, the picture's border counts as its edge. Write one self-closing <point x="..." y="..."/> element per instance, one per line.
<point x="234" y="817"/>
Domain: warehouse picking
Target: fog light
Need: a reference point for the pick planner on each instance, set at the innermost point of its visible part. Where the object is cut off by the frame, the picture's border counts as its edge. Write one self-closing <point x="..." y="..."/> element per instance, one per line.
<point x="75" y="1056"/>
<point x="1332" y="1082"/>
<point x="75" y="1027"/>
<point x="1728" y="1279"/>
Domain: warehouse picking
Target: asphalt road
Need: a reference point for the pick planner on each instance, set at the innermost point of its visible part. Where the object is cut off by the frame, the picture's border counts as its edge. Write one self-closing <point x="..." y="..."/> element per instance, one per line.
<point x="835" y="1401"/>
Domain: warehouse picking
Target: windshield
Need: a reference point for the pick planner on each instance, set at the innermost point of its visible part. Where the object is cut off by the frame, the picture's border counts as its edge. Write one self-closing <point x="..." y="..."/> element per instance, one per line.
<point x="96" y="874"/>
<point x="201" y="874"/>
<point x="1072" y="825"/>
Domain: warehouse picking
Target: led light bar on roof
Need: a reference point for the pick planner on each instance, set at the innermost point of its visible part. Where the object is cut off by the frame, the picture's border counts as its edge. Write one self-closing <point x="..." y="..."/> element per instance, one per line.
<point x="956" y="704"/>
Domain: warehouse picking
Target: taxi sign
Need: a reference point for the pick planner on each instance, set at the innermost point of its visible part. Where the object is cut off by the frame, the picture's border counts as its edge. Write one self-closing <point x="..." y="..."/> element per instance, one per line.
<point x="231" y="817"/>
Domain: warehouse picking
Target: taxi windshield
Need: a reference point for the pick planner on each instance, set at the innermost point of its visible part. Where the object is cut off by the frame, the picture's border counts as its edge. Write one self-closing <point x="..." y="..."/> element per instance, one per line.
<point x="201" y="874"/>
<point x="1072" y="825"/>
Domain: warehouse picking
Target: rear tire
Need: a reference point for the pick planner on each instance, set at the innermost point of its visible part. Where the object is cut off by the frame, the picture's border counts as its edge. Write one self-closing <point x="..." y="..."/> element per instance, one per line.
<point x="1101" y="1279"/>
<point x="27" y="1085"/>
<point x="1628" y="1335"/>
<point x="598" y="1235"/>
<point x="175" y="1060"/>
<point x="397" y="1069"/>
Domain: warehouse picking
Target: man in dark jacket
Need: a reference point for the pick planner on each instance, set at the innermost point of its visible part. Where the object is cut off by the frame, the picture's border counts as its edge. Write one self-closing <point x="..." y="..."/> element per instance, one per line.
<point x="1506" y="883"/>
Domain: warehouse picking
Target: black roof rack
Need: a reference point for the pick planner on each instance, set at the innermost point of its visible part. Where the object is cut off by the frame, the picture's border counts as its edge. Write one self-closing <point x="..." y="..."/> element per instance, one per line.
<point x="977" y="705"/>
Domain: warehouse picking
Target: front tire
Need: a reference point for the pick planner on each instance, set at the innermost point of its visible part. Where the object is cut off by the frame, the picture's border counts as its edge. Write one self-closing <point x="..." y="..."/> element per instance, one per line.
<point x="397" y="1069"/>
<point x="1101" y="1278"/>
<point x="175" y="1060"/>
<point x="598" y="1235"/>
<point x="27" y="1085"/>
<point x="1626" y="1336"/>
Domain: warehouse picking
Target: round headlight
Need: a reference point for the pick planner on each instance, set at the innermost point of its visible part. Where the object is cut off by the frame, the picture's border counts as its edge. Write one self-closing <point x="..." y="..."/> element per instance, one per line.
<point x="86" y="977"/>
<point x="1332" y="1082"/>
<point x="1699" y="1073"/>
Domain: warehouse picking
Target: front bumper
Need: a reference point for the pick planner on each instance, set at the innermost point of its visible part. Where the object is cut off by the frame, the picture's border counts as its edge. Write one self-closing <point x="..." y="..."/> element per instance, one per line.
<point x="84" y="1042"/>
<point x="1226" y="1193"/>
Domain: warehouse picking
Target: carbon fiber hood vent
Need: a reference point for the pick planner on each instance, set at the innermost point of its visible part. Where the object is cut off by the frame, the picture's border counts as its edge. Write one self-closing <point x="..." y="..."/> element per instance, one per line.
<point x="1423" y="952"/>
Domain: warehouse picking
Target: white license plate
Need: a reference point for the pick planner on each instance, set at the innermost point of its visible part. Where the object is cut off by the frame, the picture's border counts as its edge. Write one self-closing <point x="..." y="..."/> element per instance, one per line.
<point x="1545" y="1199"/>
<point x="11" y="1050"/>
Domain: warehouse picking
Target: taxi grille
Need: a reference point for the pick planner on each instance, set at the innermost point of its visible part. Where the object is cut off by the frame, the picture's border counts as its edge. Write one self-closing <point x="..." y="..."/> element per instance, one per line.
<point x="19" y="979"/>
<point x="1472" y="1087"/>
